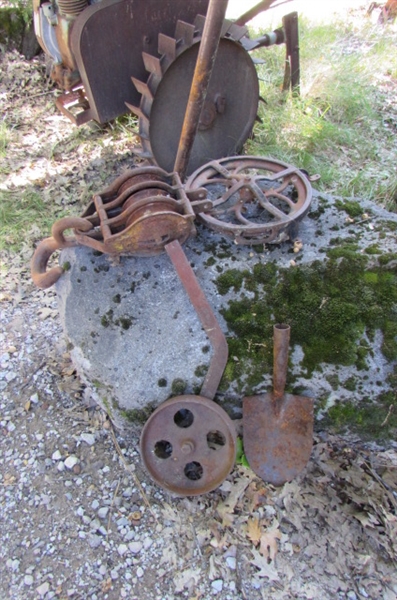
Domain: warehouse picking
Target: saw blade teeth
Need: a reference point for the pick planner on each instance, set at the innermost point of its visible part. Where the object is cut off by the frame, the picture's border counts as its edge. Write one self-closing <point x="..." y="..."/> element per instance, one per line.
<point x="134" y="109"/>
<point x="225" y="27"/>
<point x="184" y="32"/>
<point x="237" y="31"/>
<point x="152" y="64"/>
<point x="199" y="23"/>
<point x="167" y="46"/>
<point x="142" y="87"/>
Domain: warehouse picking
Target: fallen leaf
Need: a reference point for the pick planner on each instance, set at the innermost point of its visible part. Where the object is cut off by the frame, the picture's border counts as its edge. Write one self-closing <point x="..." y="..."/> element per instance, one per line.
<point x="268" y="543"/>
<point x="266" y="569"/>
<point x="254" y="532"/>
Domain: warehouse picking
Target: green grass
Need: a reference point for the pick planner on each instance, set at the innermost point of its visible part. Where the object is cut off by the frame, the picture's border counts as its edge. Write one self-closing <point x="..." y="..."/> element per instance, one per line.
<point x="23" y="216"/>
<point x="344" y="123"/>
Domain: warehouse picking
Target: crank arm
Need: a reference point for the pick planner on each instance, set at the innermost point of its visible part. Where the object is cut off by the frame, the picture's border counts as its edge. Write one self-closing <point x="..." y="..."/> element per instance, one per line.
<point x="206" y="316"/>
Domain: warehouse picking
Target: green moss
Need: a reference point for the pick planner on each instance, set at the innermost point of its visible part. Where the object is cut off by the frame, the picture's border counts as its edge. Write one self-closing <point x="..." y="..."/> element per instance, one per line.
<point x="138" y="415"/>
<point x="231" y="279"/>
<point x="351" y="207"/>
<point x="162" y="382"/>
<point x="374" y="249"/>
<point x="201" y="370"/>
<point x="329" y="305"/>
<point x="124" y="322"/>
<point x="210" y="262"/>
<point x="371" y="420"/>
<point x="117" y="298"/>
<point x="66" y="266"/>
<point x="178" y="387"/>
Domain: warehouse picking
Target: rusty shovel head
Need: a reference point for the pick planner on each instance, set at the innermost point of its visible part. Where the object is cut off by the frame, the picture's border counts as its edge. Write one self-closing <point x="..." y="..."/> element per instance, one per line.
<point x="278" y="435"/>
<point x="278" y="427"/>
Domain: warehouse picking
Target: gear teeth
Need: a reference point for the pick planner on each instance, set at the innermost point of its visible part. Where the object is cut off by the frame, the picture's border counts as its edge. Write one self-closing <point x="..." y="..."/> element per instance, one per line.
<point x="199" y="23"/>
<point x="184" y="32"/>
<point x="142" y="87"/>
<point x="152" y="64"/>
<point x="136" y="110"/>
<point x="237" y="32"/>
<point x="167" y="46"/>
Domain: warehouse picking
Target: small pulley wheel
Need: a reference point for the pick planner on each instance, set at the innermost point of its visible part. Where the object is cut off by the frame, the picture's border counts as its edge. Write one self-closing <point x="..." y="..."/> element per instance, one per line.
<point x="188" y="445"/>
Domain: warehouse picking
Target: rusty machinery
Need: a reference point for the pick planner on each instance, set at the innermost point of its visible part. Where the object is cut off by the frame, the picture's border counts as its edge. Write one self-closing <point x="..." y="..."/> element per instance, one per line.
<point x="111" y="56"/>
<point x="188" y="445"/>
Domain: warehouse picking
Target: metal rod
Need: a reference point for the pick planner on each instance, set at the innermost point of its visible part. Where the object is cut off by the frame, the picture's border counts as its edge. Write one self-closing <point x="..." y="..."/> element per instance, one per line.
<point x="281" y="335"/>
<point x="254" y="11"/>
<point x="206" y="316"/>
<point x="202" y="73"/>
<point x="292" y="66"/>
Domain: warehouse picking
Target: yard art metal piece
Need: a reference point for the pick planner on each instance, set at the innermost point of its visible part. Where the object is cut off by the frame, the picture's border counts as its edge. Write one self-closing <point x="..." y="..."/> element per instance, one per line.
<point x="188" y="445"/>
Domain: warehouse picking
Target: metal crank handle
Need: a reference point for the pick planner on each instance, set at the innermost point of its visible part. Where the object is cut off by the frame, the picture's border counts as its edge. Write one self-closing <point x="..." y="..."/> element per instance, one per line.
<point x="206" y="316"/>
<point x="38" y="267"/>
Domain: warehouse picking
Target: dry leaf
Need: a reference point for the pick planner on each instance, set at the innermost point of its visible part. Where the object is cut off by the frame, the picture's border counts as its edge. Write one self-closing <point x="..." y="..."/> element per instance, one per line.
<point x="268" y="546"/>
<point x="266" y="569"/>
<point x="254" y="532"/>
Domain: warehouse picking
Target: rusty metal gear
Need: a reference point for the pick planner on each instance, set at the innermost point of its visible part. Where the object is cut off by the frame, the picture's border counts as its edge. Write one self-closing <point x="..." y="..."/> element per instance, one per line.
<point x="230" y="107"/>
<point x="188" y="445"/>
<point x="254" y="200"/>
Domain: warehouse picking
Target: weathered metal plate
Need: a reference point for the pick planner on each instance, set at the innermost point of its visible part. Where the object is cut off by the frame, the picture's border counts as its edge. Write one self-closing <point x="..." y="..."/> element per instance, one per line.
<point x="188" y="445"/>
<point x="278" y="435"/>
<point x="108" y="39"/>
<point x="228" y="114"/>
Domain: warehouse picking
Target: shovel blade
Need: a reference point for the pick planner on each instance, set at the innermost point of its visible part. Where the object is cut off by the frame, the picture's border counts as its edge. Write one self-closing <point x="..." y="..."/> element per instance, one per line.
<point x="278" y="435"/>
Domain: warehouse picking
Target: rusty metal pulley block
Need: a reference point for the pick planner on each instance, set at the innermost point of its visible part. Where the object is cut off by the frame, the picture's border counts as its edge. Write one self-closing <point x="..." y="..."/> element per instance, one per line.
<point x="253" y="199"/>
<point x="141" y="212"/>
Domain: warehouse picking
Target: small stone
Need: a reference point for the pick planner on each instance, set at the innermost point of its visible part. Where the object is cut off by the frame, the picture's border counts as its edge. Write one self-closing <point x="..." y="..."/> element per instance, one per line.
<point x="77" y="469"/>
<point x="139" y="572"/>
<point x="56" y="455"/>
<point x="147" y="542"/>
<point x="135" y="547"/>
<point x="231" y="562"/>
<point x="94" y="540"/>
<point x="122" y="549"/>
<point x="43" y="589"/>
<point x="71" y="461"/>
<point x="61" y="466"/>
<point x="217" y="585"/>
<point x="11" y="427"/>
<point x="88" y="438"/>
<point x="94" y="504"/>
<point x="102" y="512"/>
<point x="28" y="580"/>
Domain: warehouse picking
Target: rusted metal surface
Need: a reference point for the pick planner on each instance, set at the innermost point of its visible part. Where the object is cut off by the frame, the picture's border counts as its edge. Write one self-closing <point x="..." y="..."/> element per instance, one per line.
<point x="278" y="427"/>
<point x="254" y="199"/>
<point x="206" y="316"/>
<point x="228" y="112"/>
<point x="188" y="445"/>
<point x="292" y="63"/>
<point x="107" y="42"/>
<point x="201" y="77"/>
<point x="139" y="214"/>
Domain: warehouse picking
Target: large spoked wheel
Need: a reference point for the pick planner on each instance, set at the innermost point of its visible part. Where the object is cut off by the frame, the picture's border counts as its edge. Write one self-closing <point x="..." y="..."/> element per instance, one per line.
<point x="254" y="200"/>
<point x="188" y="445"/>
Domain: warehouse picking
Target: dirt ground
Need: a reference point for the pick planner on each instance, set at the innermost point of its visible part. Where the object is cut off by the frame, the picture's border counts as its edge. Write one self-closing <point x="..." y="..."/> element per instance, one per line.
<point x="80" y="518"/>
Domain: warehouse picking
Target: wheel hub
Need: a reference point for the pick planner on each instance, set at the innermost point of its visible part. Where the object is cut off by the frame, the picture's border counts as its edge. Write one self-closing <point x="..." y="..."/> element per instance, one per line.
<point x="188" y="445"/>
